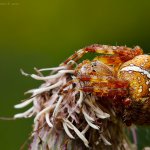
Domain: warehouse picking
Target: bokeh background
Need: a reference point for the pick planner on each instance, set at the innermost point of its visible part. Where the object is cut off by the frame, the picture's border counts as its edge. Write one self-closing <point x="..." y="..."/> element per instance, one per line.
<point x="44" y="33"/>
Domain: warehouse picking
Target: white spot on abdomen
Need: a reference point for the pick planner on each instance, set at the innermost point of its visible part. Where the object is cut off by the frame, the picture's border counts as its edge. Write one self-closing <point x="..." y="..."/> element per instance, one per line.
<point x="136" y="69"/>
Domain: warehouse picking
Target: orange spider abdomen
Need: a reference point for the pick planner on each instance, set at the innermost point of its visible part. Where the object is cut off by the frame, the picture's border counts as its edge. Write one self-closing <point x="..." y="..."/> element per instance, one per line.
<point x="136" y="72"/>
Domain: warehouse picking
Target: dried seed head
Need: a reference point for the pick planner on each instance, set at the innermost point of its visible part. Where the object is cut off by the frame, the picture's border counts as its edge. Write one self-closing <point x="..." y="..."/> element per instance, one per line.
<point x="63" y="114"/>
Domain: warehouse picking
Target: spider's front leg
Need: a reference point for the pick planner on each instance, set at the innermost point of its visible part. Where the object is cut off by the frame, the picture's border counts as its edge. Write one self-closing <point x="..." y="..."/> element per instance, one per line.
<point x="104" y="86"/>
<point x="122" y="52"/>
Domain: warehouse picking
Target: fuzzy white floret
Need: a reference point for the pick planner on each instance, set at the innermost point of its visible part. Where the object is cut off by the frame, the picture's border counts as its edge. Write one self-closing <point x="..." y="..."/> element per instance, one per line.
<point x="25" y="114"/>
<point x="53" y="69"/>
<point x="47" y="118"/>
<point x="67" y="131"/>
<point x="80" y="135"/>
<point x="106" y="142"/>
<point x="24" y="104"/>
<point x="44" y="89"/>
<point x="44" y="111"/>
<point x="57" y="106"/>
<point x="59" y="74"/>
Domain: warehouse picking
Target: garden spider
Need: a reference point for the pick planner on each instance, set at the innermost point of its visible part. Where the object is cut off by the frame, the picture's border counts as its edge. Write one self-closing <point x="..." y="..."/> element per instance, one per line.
<point x="121" y="74"/>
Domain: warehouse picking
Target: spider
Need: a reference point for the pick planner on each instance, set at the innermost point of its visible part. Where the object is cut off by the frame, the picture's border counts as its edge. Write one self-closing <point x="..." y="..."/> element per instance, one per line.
<point x="120" y="74"/>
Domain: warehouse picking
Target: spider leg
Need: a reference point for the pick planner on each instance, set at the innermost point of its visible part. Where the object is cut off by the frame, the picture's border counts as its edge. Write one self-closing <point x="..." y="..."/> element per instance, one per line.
<point x="105" y="91"/>
<point x="64" y="89"/>
<point x="70" y="86"/>
<point x="104" y="86"/>
<point x="76" y="56"/>
<point x="122" y="51"/>
<point x="125" y="53"/>
<point x="107" y="80"/>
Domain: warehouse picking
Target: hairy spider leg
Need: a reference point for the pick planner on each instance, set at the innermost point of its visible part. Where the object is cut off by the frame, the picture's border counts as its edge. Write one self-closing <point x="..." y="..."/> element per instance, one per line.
<point x="69" y="83"/>
<point x="105" y="86"/>
<point x="104" y="91"/>
<point x="65" y="86"/>
<point x="123" y="52"/>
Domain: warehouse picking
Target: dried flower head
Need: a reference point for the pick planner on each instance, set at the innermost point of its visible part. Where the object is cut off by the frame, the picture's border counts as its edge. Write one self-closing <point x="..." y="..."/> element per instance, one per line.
<point x="70" y="114"/>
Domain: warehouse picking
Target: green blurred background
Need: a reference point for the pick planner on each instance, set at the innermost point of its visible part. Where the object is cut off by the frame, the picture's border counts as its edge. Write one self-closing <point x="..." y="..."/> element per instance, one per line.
<point x="44" y="33"/>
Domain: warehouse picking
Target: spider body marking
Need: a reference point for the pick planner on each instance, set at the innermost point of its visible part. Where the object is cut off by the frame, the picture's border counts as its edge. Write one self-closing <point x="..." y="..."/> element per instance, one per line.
<point x="121" y="74"/>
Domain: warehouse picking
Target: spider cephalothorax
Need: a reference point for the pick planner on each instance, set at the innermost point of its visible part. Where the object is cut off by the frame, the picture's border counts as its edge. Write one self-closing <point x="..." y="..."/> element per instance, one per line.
<point x="122" y="74"/>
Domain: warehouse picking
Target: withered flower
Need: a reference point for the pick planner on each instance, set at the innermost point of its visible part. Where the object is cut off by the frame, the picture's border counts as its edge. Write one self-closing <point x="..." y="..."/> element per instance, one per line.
<point x="68" y="116"/>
